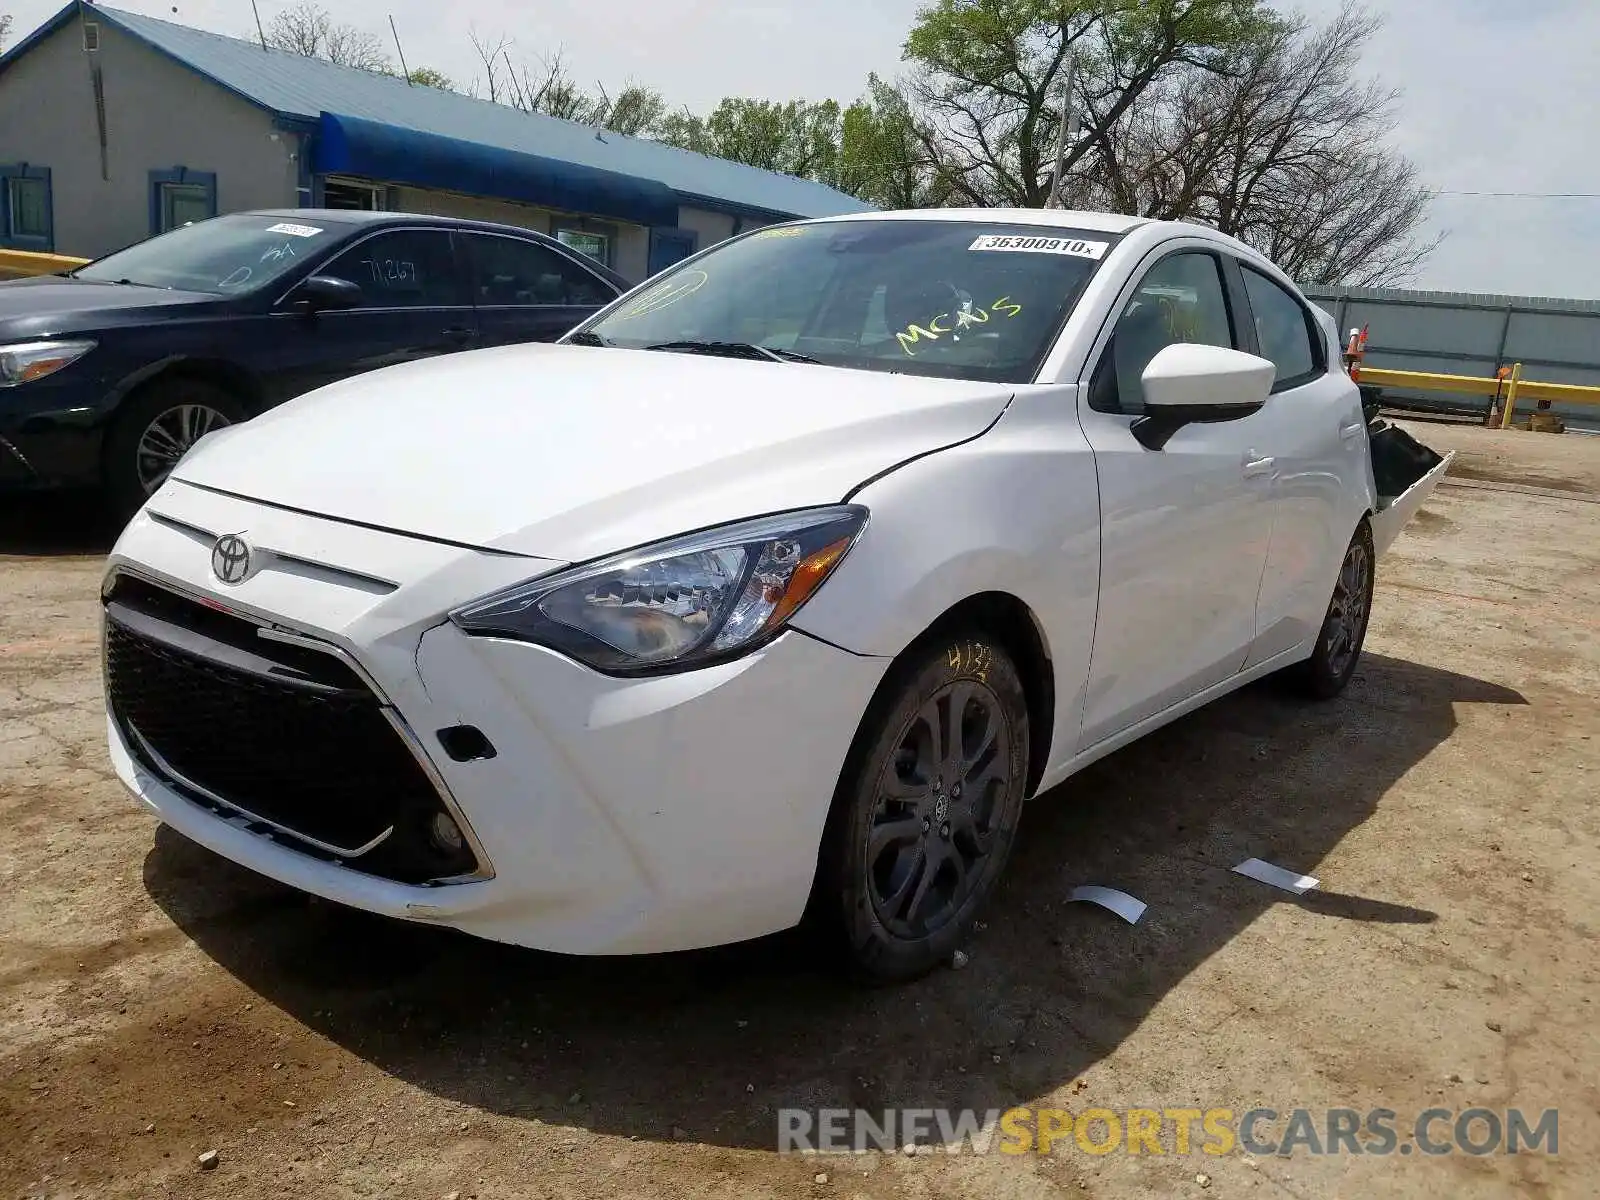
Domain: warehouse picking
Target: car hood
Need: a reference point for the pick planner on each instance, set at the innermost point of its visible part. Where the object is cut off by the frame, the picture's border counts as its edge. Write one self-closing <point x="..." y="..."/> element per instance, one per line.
<point x="36" y="305"/>
<point x="569" y="452"/>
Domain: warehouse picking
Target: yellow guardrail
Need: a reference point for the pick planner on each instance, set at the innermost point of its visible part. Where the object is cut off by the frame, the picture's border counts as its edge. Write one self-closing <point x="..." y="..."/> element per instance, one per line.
<point x="18" y="264"/>
<point x="1508" y="388"/>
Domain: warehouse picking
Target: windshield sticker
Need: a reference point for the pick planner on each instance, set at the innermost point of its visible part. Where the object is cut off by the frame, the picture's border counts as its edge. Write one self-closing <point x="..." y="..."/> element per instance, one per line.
<point x="666" y="294"/>
<point x="294" y="230"/>
<point x="1041" y="245"/>
<point x="967" y="316"/>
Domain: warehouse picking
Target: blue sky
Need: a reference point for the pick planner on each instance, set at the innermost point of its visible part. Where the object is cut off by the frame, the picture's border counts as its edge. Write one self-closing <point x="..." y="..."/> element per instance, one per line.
<point x="1498" y="97"/>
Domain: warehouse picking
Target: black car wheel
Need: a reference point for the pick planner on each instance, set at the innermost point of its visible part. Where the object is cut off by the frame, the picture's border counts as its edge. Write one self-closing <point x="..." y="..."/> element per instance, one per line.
<point x="157" y="428"/>
<point x="1344" y="628"/>
<point x="927" y="810"/>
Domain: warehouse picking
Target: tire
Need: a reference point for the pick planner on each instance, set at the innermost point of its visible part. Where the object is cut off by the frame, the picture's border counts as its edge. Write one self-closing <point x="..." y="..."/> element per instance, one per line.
<point x="1337" y="653"/>
<point x="168" y="414"/>
<point x="910" y="820"/>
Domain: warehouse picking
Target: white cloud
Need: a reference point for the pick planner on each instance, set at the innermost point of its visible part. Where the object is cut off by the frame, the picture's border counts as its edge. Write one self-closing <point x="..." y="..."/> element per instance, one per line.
<point x="1497" y="97"/>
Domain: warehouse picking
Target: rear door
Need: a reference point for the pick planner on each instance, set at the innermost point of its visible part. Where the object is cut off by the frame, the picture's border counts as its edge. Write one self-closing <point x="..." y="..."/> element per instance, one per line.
<point x="414" y="304"/>
<point x="525" y="291"/>
<point x="1314" y="426"/>
<point x="1184" y="529"/>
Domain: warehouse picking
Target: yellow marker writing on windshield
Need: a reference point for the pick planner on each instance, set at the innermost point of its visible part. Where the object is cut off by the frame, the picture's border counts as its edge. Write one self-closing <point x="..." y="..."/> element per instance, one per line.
<point x="969" y="315"/>
<point x="668" y="293"/>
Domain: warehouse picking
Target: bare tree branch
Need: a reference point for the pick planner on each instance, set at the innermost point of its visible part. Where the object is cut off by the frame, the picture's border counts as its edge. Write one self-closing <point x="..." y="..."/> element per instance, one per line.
<point x="306" y="29"/>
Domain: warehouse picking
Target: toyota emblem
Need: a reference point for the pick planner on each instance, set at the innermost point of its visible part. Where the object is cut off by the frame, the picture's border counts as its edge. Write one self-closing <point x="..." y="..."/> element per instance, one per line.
<point x="230" y="559"/>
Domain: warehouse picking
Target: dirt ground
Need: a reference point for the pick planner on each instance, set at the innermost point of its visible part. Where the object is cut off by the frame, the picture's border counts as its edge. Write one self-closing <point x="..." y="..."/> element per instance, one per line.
<point x="157" y="1002"/>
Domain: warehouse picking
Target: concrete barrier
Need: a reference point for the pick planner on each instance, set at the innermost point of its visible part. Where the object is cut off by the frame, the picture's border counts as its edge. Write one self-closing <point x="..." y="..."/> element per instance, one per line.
<point x="19" y="264"/>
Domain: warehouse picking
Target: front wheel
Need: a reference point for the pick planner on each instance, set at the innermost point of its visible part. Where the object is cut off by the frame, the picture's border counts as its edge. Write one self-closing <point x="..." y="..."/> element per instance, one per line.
<point x="1344" y="628"/>
<point x="155" y="430"/>
<point x="927" y="810"/>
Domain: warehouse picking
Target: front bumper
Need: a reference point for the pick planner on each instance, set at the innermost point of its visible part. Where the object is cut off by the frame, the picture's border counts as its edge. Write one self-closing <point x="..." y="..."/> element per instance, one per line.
<point x="51" y="435"/>
<point x="614" y="816"/>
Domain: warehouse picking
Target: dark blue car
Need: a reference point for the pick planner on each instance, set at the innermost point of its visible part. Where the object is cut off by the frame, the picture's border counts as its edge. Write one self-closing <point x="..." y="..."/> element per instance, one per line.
<point x="110" y="373"/>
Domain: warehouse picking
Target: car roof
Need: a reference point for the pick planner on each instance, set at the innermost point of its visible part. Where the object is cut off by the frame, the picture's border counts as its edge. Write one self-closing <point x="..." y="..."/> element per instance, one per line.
<point x="1082" y="220"/>
<point x="361" y="216"/>
<point x="1063" y="218"/>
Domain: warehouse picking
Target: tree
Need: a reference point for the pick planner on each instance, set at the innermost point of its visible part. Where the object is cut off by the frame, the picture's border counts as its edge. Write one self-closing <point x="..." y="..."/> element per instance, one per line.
<point x="636" y="112"/>
<point x="796" y="137"/>
<point x="5" y="29"/>
<point x="1286" y="149"/>
<point x="989" y="76"/>
<point x="306" y="29"/>
<point x="883" y="155"/>
<point x="551" y="89"/>
<point x="428" y="77"/>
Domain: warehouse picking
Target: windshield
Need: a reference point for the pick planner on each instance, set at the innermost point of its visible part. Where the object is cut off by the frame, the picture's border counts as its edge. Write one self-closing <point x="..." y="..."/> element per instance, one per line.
<point x="961" y="299"/>
<point x="225" y="255"/>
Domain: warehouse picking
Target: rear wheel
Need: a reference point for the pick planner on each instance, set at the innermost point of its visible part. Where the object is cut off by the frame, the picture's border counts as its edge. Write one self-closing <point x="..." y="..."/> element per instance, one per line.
<point x="155" y="430"/>
<point x="1344" y="629"/>
<point x="927" y="810"/>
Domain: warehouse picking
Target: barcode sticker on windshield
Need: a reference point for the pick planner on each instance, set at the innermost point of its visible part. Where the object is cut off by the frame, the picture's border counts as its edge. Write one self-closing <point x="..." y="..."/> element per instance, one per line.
<point x="1041" y="245"/>
<point x="294" y="230"/>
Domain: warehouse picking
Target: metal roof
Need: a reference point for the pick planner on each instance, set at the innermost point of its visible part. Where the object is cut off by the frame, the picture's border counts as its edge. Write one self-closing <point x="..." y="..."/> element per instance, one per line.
<point x="294" y="86"/>
<point x="1414" y="297"/>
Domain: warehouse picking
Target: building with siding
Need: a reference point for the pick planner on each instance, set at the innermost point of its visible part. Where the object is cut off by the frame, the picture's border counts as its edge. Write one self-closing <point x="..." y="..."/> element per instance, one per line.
<point x="116" y="126"/>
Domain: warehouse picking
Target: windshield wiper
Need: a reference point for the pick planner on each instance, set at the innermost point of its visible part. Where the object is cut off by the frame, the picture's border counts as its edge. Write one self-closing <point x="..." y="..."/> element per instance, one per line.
<point x="735" y="350"/>
<point x="589" y="338"/>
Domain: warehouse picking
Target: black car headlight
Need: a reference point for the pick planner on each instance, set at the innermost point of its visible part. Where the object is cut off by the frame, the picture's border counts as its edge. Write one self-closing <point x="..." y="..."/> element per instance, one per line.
<point x="688" y="601"/>
<point x="23" y="362"/>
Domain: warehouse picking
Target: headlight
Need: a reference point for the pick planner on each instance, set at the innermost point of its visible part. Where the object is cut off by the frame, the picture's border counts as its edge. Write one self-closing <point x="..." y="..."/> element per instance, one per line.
<point x="684" y="602"/>
<point x="23" y="362"/>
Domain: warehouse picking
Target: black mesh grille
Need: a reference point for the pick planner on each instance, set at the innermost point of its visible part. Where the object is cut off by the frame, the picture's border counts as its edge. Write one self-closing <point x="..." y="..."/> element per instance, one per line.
<point x="287" y="733"/>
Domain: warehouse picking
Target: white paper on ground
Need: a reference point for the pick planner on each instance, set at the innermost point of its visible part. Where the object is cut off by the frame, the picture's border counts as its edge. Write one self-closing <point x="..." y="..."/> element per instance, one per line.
<point x="1124" y="905"/>
<point x="1265" y="872"/>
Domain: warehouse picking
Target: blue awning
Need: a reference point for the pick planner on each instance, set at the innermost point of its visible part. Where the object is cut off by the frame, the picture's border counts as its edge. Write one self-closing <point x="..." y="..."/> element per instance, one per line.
<point x="394" y="154"/>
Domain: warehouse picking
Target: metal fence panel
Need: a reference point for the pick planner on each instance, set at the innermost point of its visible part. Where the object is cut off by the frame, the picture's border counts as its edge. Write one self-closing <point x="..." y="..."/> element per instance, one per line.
<point x="1460" y="333"/>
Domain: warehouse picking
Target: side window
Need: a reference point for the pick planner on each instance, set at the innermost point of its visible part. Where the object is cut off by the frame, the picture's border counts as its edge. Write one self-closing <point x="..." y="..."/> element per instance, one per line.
<point x="1287" y="334"/>
<point x="403" y="268"/>
<point x="510" y="271"/>
<point x="1182" y="299"/>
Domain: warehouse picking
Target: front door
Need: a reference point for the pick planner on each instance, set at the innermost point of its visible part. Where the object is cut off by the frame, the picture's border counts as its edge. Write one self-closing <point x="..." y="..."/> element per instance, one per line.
<point x="413" y="305"/>
<point x="1184" y="529"/>
<point x="526" y="291"/>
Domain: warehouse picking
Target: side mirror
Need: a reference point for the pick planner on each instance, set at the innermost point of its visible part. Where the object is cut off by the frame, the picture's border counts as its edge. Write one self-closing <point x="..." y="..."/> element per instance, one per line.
<point x="1187" y="384"/>
<point x="321" y="292"/>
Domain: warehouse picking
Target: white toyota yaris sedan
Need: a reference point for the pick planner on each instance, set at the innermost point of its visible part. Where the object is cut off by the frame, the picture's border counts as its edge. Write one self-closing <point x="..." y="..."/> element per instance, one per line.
<point x="768" y="595"/>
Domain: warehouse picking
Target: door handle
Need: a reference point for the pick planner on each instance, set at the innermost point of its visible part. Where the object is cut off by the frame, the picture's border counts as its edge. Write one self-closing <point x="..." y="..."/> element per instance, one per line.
<point x="1254" y="466"/>
<point x="1350" y="432"/>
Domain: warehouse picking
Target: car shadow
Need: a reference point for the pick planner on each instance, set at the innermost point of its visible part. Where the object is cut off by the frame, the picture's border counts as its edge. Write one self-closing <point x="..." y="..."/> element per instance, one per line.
<point x="709" y="1045"/>
<point x="52" y="524"/>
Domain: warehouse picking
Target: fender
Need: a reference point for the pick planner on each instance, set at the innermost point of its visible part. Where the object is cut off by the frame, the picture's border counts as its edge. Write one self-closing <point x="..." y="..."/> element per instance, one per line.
<point x="1035" y="535"/>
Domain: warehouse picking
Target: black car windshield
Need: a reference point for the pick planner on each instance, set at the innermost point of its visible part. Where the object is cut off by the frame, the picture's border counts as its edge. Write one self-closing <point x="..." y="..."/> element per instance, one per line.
<point x="961" y="299"/>
<point x="225" y="255"/>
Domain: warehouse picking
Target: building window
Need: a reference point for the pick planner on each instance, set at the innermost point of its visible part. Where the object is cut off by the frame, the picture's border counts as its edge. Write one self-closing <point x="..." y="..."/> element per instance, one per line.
<point x="181" y="197"/>
<point x="360" y="197"/>
<point x="596" y="245"/>
<point x="26" y="219"/>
